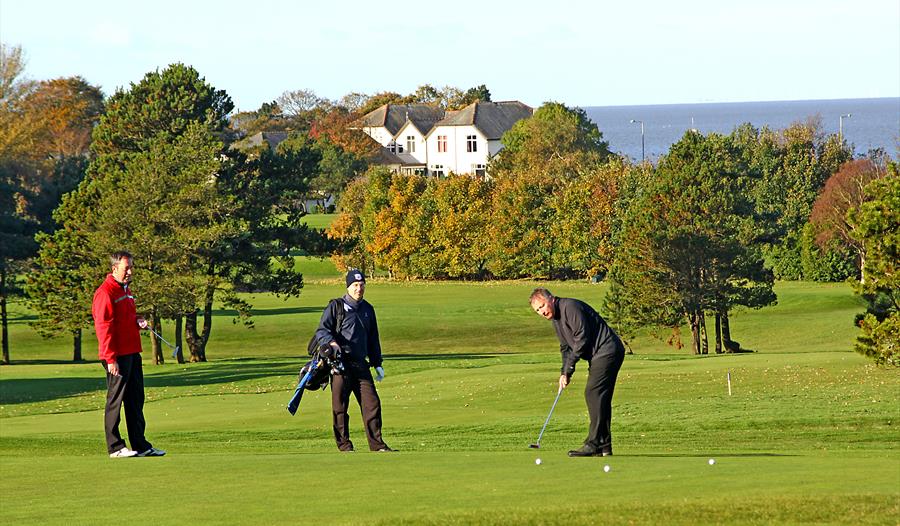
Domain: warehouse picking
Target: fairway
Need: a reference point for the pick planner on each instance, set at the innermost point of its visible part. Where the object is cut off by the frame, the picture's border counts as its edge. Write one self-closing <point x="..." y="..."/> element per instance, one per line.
<point x="808" y="435"/>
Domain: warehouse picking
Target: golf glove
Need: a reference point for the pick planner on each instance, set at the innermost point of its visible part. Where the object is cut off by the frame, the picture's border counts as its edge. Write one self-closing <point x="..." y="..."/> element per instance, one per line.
<point x="379" y="374"/>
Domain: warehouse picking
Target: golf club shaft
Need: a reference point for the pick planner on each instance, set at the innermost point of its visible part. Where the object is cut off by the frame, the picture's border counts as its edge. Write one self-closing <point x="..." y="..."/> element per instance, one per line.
<point x="559" y="392"/>
<point x="158" y="335"/>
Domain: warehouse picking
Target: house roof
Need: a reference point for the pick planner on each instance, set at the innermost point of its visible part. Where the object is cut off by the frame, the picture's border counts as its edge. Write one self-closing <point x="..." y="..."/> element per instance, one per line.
<point x="394" y="116"/>
<point x="492" y="119"/>
<point x="272" y="138"/>
<point x="385" y="156"/>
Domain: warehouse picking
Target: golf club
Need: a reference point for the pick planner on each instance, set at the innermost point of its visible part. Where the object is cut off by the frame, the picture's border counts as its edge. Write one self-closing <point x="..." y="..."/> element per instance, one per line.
<point x="537" y="445"/>
<point x="173" y="347"/>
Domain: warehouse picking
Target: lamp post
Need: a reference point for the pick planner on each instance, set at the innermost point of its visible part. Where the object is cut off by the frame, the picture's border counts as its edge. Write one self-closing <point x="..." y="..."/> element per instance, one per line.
<point x="633" y="121"/>
<point x="841" y="125"/>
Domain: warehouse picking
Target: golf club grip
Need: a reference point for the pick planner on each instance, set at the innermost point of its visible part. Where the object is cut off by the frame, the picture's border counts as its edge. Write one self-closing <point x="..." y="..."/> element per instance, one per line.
<point x="295" y="400"/>
<point x="298" y="393"/>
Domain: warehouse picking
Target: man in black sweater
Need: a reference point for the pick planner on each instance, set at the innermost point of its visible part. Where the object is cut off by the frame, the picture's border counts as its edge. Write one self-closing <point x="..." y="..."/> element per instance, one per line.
<point x="357" y="342"/>
<point x="584" y="335"/>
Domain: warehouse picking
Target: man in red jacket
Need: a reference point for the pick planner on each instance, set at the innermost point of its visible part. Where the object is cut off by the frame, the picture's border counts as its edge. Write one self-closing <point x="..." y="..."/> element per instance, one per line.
<point x="118" y="334"/>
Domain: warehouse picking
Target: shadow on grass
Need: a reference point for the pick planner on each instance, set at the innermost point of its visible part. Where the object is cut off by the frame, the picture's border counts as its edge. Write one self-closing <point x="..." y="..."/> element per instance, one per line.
<point x="271" y="312"/>
<point x="27" y="390"/>
<point x="706" y="455"/>
<point x="448" y="356"/>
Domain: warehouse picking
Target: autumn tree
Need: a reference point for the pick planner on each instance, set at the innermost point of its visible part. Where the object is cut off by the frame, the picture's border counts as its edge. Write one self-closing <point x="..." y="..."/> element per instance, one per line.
<point x="844" y="190"/>
<point x="541" y="155"/>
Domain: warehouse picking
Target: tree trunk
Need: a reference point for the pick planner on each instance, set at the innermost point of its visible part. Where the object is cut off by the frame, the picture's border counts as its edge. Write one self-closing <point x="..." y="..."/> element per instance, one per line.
<point x="156" y="345"/>
<point x="695" y="332"/>
<point x="703" y="335"/>
<point x="718" y="333"/>
<point x="5" y="359"/>
<point x="5" y="333"/>
<point x="76" y="345"/>
<point x="179" y="354"/>
<point x="207" y="325"/>
<point x="193" y="339"/>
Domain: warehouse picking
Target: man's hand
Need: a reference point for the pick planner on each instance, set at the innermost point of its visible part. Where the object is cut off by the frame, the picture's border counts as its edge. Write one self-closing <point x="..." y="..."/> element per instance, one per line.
<point x="563" y="381"/>
<point x="379" y="374"/>
<point x="142" y="323"/>
<point x="113" y="368"/>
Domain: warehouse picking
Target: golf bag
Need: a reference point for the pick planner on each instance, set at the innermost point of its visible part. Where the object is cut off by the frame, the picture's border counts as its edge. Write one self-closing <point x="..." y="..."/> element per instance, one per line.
<point x="316" y="373"/>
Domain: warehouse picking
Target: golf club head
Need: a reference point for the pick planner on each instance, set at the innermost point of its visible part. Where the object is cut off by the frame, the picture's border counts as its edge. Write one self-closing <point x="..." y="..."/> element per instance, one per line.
<point x="175" y="351"/>
<point x="534" y="446"/>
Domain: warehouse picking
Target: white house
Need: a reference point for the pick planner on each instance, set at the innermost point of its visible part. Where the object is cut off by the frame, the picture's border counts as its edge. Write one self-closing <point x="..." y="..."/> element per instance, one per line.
<point x="428" y="140"/>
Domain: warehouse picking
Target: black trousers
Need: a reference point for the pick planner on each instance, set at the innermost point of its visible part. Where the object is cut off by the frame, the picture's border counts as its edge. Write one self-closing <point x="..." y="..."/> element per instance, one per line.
<point x="126" y="389"/>
<point x="359" y="381"/>
<point x="598" y="393"/>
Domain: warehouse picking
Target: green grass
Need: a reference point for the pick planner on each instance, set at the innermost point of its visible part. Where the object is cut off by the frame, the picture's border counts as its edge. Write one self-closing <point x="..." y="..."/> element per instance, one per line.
<point x="808" y="436"/>
<point x="319" y="220"/>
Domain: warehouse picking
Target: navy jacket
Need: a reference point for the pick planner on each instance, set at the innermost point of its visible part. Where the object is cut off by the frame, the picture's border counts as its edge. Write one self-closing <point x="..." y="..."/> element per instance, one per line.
<point x="582" y="333"/>
<point x="358" y="334"/>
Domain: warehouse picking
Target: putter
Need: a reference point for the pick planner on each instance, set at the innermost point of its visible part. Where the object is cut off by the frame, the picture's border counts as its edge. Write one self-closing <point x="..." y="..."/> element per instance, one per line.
<point x="173" y="347"/>
<point x="537" y="445"/>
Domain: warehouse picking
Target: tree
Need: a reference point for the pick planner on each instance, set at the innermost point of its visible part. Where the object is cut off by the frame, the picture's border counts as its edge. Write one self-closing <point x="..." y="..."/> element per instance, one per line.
<point x="789" y="169"/>
<point x="458" y="237"/>
<point x="18" y="223"/>
<point x="685" y="248"/>
<point x="347" y="228"/>
<point x="876" y="225"/>
<point x="842" y="191"/>
<point x="380" y="99"/>
<point x="541" y="155"/>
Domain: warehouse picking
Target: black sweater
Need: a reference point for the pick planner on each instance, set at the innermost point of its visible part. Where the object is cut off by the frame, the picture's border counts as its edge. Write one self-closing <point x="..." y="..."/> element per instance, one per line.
<point x="582" y="333"/>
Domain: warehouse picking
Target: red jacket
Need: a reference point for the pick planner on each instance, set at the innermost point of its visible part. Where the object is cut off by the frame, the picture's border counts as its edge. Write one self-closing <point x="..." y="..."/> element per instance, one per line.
<point x="115" y="321"/>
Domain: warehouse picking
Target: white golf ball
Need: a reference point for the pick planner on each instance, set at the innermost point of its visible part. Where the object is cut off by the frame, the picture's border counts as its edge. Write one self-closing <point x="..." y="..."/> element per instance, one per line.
<point x="606" y="468"/>
<point x="712" y="461"/>
<point x="537" y="461"/>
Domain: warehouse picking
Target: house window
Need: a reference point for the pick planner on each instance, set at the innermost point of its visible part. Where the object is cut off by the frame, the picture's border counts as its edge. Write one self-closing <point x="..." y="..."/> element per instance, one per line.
<point x="478" y="170"/>
<point x="411" y="143"/>
<point x="442" y="143"/>
<point x="471" y="143"/>
<point x="437" y="170"/>
<point x="394" y="147"/>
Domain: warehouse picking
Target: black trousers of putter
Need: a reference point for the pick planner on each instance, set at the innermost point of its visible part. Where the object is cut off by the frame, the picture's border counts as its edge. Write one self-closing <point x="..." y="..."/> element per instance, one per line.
<point x="359" y="381"/>
<point x="126" y="389"/>
<point x="598" y="393"/>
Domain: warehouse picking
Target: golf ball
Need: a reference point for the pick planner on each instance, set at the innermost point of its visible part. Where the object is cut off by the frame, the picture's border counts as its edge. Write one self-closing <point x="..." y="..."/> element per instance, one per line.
<point x="606" y="468"/>
<point x="537" y="461"/>
<point x="712" y="461"/>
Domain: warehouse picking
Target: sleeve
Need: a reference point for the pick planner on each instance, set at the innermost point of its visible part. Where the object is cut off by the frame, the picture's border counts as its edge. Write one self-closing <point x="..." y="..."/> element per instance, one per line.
<point x="102" y="311"/>
<point x="575" y="324"/>
<point x="325" y="333"/>
<point x="374" y="343"/>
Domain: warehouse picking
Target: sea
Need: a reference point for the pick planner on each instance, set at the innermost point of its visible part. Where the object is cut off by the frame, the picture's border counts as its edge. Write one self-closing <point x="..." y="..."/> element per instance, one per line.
<point x="872" y="123"/>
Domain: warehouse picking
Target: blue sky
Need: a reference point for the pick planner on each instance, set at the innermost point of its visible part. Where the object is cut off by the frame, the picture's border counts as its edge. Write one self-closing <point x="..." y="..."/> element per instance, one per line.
<point x="581" y="53"/>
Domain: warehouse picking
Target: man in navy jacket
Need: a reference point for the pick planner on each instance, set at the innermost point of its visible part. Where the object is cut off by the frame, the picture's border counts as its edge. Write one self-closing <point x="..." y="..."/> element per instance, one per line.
<point x="357" y="342"/>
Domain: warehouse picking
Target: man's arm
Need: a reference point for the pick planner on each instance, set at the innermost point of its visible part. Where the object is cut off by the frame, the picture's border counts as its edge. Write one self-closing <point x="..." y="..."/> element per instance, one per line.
<point x="374" y="350"/>
<point x="327" y="330"/>
<point x="102" y="311"/>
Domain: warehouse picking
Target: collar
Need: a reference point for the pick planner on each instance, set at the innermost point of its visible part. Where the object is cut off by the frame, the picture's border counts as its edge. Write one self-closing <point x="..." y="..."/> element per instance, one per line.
<point x="555" y="308"/>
